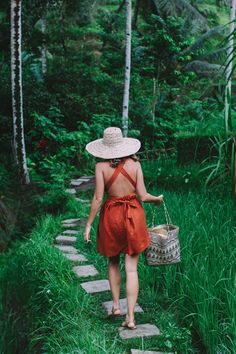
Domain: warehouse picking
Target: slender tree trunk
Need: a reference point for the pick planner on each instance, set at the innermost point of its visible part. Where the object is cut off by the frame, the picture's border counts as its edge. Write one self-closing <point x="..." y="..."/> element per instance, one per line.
<point x="230" y="47"/>
<point x="233" y="159"/>
<point x="155" y="97"/>
<point x="136" y="12"/>
<point x="228" y="89"/>
<point x="120" y="6"/>
<point x="17" y="98"/>
<point x="44" y="47"/>
<point x="63" y="24"/>
<point x="125" y="113"/>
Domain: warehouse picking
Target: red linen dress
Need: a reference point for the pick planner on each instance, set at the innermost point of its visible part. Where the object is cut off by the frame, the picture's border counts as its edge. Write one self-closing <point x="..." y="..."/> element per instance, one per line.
<point x="122" y="223"/>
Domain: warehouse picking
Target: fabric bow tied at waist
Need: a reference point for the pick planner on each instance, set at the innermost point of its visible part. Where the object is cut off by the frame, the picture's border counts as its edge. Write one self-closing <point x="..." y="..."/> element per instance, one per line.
<point x="128" y="202"/>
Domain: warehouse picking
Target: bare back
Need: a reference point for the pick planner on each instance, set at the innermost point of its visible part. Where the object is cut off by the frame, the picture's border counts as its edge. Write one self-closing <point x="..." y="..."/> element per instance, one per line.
<point x="121" y="185"/>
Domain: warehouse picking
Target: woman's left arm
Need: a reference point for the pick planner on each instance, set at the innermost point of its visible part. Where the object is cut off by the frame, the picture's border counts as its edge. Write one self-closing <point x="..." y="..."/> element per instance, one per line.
<point x="96" y="201"/>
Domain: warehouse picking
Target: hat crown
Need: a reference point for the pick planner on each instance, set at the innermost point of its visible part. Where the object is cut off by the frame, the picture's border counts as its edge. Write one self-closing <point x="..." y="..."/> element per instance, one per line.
<point x="112" y="136"/>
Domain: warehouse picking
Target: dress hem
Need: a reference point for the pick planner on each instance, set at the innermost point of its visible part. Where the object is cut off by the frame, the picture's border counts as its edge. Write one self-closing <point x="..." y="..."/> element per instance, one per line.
<point x="130" y="254"/>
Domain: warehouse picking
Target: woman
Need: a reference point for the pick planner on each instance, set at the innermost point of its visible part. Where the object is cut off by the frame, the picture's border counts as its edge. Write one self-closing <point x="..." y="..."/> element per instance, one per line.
<point x="122" y="224"/>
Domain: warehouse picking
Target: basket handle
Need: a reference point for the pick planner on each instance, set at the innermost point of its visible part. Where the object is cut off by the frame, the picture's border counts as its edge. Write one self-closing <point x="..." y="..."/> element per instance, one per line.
<point x="167" y="215"/>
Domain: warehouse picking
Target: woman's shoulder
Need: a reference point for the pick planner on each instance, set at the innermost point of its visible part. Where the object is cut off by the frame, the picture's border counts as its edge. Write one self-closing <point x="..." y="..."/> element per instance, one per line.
<point x="133" y="163"/>
<point x="102" y="164"/>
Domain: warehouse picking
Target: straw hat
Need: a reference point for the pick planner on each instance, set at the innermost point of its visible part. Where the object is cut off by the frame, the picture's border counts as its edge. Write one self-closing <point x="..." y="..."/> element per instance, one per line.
<point x="113" y="145"/>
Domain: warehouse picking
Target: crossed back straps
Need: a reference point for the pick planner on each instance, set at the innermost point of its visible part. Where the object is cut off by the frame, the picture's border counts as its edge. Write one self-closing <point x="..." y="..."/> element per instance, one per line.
<point x="119" y="169"/>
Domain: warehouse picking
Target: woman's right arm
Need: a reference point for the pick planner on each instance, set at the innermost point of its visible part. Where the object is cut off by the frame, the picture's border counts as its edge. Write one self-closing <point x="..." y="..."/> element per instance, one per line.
<point x="141" y="189"/>
<point x="96" y="201"/>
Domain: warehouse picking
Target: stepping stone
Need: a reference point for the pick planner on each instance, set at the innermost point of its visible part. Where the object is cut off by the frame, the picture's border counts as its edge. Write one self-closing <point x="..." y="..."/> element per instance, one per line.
<point x="81" y="179"/>
<point x="123" y="307"/>
<point x="87" y="177"/>
<point x="66" y="249"/>
<point x="83" y="200"/>
<point x="70" y="232"/>
<point x="82" y="222"/>
<point x="96" y="286"/>
<point x="85" y="271"/>
<point x="143" y="330"/>
<point x="76" y="183"/>
<point x="87" y="184"/>
<point x="70" y="225"/>
<point x="71" y="191"/>
<point x="73" y="222"/>
<point x="75" y="257"/>
<point x="66" y="240"/>
<point x="70" y="221"/>
<point x="137" y="351"/>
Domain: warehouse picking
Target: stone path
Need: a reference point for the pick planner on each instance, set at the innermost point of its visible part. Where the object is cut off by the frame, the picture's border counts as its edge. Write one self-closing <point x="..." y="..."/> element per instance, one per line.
<point x="85" y="201"/>
<point x="83" y="183"/>
<point x="76" y="257"/>
<point x="73" y="223"/>
<point x="143" y="330"/>
<point x="64" y="242"/>
<point x="123" y="307"/>
<point x="96" y="286"/>
<point x="70" y="232"/>
<point x="66" y="249"/>
<point x="85" y="271"/>
<point x="70" y="221"/>
<point x="69" y="225"/>
<point x="76" y="182"/>
<point x="71" y="191"/>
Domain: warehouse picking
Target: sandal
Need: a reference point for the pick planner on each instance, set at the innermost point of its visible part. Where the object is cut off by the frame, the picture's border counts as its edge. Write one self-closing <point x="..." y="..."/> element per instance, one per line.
<point x="130" y="324"/>
<point x="115" y="311"/>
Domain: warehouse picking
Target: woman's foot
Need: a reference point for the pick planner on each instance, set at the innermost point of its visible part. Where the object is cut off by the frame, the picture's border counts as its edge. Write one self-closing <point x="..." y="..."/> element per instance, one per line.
<point x="115" y="311"/>
<point x="130" y="324"/>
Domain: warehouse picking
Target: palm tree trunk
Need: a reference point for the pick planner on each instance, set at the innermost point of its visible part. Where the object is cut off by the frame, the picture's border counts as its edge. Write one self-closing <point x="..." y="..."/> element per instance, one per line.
<point x="230" y="47"/>
<point x="233" y="165"/>
<point x="17" y="98"/>
<point x="120" y="6"/>
<point x="136" y="12"/>
<point x="125" y="112"/>
<point x="44" y="48"/>
<point x="228" y="89"/>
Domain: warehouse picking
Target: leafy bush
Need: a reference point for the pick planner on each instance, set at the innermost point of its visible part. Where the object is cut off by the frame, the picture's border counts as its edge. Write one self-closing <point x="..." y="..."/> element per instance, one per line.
<point x="53" y="200"/>
<point x="165" y="173"/>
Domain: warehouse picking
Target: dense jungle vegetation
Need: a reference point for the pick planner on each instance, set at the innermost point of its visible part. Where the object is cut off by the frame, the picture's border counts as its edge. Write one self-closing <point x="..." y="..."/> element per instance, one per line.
<point x="181" y="108"/>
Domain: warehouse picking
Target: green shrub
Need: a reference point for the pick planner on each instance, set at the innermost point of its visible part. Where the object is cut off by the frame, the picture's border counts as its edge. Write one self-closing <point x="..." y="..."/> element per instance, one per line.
<point x="53" y="200"/>
<point x="166" y="173"/>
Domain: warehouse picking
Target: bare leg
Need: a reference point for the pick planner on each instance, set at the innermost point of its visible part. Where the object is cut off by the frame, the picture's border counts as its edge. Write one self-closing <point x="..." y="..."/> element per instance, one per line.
<point x="132" y="285"/>
<point x="114" y="280"/>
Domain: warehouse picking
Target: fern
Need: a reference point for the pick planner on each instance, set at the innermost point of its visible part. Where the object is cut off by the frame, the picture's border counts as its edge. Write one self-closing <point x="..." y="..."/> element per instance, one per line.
<point x="174" y="7"/>
<point x="205" y="69"/>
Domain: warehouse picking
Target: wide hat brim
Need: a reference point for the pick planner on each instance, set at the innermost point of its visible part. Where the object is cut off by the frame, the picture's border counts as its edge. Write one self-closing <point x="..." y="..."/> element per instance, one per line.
<point x="127" y="147"/>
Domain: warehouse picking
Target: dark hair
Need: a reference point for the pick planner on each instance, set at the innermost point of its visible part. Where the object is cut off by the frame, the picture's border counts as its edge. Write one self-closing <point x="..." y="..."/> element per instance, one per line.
<point x="115" y="162"/>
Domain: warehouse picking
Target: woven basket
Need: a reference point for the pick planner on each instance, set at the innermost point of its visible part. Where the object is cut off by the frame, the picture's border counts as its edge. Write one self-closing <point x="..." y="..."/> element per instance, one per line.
<point x="164" y="247"/>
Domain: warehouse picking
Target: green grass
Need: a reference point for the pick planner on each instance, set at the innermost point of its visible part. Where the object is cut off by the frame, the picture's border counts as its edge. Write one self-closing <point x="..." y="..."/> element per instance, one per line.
<point x="201" y="290"/>
<point x="165" y="172"/>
